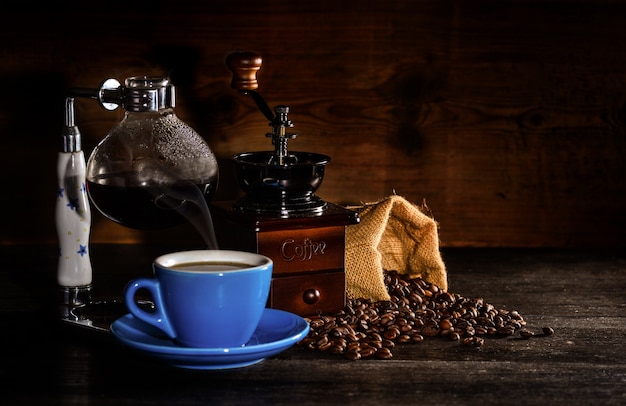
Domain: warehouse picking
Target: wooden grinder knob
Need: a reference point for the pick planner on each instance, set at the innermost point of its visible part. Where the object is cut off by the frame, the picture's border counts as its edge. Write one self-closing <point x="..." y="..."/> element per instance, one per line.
<point x="244" y="65"/>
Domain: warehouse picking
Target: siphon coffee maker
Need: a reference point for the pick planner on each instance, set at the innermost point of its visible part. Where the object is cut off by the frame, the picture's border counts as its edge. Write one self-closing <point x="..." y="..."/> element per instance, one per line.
<point x="279" y="214"/>
<point x="151" y="170"/>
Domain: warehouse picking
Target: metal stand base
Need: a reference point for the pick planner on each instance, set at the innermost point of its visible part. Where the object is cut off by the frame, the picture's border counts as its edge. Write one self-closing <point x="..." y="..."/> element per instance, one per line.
<point x="78" y="308"/>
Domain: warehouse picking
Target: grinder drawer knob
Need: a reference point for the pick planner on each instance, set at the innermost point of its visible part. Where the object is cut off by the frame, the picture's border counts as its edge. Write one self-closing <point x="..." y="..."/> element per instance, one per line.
<point x="311" y="296"/>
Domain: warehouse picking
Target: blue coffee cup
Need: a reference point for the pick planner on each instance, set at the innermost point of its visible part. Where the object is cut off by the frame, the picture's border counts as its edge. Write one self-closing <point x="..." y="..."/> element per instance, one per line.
<point x="205" y="298"/>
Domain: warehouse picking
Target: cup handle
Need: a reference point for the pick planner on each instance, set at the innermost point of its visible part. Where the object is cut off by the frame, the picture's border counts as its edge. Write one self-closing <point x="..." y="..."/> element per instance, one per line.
<point x="158" y="318"/>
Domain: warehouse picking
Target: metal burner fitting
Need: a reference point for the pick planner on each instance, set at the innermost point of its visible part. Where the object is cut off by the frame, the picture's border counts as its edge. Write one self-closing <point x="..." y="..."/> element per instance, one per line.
<point x="280" y="137"/>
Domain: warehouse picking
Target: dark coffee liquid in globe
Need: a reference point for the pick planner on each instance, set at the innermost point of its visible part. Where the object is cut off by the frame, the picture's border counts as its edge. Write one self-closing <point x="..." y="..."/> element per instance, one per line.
<point x="150" y="205"/>
<point x="152" y="170"/>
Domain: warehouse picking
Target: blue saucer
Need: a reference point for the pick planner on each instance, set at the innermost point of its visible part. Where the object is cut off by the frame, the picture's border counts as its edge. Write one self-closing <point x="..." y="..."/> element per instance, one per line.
<point x="277" y="331"/>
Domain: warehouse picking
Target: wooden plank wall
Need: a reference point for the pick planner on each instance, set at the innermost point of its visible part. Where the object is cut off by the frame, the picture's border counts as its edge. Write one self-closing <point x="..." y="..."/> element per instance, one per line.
<point x="505" y="117"/>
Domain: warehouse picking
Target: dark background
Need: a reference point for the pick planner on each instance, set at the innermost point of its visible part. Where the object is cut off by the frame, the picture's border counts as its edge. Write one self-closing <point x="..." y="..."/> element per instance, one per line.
<point x="505" y="117"/>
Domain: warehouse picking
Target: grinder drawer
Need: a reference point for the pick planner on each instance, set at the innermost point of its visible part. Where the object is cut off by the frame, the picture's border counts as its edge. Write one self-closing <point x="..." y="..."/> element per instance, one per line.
<point x="309" y="294"/>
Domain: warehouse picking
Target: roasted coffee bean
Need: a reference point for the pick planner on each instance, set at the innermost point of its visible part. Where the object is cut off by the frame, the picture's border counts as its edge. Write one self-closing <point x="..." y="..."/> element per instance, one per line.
<point x="506" y="331"/>
<point x="387" y="319"/>
<point x="316" y="323"/>
<point x="392" y="333"/>
<point x="430" y="330"/>
<point x="388" y="343"/>
<point x="415" y="298"/>
<point x="367" y="351"/>
<point x="352" y="355"/>
<point x="446" y="333"/>
<point x="340" y="342"/>
<point x="407" y="328"/>
<point x="363" y="325"/>
<point x="473" y="341"/>
<point x="324" y="347"/>
<point x="322" y="341"/>
<point x="384" y="353"/>
<point x="354" y="346"/>
<point x="338" y="332"/>
<point x="404" y="338"/>
<point x="481" y="330"/>
<point x="401" y="322"/>
<point x="547" y="331"/>
<point x="335" y="349"/>
<point x="445" y="324"/>
<point x="526" y="334"/>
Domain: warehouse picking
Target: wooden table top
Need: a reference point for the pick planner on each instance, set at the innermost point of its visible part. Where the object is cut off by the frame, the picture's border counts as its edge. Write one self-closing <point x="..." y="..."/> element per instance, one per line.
<point x="580" y="294"/>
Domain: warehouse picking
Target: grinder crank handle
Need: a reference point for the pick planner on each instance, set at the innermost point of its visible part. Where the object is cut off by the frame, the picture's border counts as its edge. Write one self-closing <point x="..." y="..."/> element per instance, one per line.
<point x="245" y="65"/>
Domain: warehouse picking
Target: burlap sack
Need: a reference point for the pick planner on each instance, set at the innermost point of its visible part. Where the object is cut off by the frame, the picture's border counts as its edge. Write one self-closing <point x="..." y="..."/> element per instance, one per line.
<point x="393" y="234"/>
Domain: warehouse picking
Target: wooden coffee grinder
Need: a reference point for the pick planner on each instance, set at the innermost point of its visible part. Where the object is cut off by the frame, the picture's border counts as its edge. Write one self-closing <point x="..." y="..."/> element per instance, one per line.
<point x="280" y="216"/>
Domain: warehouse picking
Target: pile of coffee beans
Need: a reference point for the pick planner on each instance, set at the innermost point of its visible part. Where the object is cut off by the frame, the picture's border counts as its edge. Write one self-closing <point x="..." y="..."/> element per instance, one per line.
<point x="416" y="309"/>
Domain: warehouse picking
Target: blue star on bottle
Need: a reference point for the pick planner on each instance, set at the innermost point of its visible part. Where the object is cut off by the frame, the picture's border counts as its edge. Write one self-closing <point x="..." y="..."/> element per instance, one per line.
<point x="82" y="251"/>
<point x="72" y="204"/>
<point x="83" y="188"/>
<point x="60" y="192"/>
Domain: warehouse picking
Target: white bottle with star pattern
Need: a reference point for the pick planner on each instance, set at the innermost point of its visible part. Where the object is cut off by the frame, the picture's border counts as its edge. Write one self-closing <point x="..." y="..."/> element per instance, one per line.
<point x="73" y="217"/>
<point x="73" y="213"/>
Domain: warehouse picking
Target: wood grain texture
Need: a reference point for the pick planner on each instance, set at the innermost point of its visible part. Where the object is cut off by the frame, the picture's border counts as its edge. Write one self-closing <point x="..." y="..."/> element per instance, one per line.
<point x="507" y="119"/>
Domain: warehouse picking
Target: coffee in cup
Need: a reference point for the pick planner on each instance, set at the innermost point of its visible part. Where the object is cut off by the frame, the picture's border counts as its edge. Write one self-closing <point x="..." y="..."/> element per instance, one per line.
<point x="205" y="298"/>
